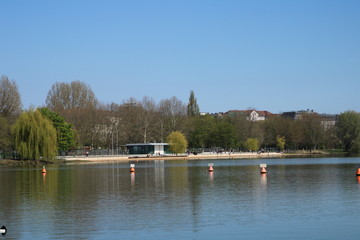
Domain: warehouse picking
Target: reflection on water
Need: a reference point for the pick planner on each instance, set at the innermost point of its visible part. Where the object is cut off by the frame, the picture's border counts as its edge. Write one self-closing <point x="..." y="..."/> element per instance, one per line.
<point x="296" y="199"/>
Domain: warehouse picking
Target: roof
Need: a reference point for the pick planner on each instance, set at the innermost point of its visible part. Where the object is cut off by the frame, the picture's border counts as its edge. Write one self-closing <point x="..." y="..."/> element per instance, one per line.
<point x="146" y="144"/>
<point x="261" y="113"/>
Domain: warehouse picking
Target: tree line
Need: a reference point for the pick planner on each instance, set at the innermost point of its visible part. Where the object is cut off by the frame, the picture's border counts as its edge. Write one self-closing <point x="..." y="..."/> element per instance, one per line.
<point x="72" y="117"/>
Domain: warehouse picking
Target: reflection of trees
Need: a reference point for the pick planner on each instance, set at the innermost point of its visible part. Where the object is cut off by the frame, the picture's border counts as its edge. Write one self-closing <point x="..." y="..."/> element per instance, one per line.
<point x="72" y="201"/>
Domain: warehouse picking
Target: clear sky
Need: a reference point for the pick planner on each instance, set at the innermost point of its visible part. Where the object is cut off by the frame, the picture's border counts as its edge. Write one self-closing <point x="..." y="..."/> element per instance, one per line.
<point x="271" y="55"/>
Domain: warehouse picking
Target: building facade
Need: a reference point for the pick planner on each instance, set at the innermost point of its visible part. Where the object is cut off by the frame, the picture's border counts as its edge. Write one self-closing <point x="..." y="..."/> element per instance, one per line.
<point x="148" y="148"/>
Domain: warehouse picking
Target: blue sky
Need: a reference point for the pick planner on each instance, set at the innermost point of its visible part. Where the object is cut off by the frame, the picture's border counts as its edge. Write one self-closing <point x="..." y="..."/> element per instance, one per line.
<point x="269" y="55"/>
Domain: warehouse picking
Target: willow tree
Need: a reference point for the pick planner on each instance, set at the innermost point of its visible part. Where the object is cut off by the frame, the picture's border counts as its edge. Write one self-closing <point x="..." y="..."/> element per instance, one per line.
<point x="177" y="142"/>
<point x="34" y="136"/>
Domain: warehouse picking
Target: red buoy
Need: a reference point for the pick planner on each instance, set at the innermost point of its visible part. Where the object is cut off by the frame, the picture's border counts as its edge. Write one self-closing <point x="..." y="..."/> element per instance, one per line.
<point x="43" y="170"/>
<point x="263" y="170"/>
<point x="132" y="168"/>
<point x="358" y="172"/>
<point x="211" y="169"/>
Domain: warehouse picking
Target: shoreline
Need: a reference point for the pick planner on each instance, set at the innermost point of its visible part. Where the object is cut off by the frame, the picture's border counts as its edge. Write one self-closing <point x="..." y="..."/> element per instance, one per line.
<point x="249" y="155"/>
<point x="135" y="158"/>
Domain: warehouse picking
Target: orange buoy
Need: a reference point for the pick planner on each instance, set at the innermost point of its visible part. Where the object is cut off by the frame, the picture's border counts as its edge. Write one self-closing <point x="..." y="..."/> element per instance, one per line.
<point x="211" y="169"/>
<point x="132" y="168"/>
<point x="263" y="170"/>
<point x="358" y="172"/>
<point x="43" y="170"/>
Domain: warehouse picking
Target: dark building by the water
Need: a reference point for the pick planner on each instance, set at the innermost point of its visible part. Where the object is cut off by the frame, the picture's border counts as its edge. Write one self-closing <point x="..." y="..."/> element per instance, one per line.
<point x="148" y="148"/>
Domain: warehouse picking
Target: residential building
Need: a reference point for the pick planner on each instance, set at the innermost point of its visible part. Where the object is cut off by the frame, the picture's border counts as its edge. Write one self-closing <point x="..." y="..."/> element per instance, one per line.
<point x="251" y="115"/>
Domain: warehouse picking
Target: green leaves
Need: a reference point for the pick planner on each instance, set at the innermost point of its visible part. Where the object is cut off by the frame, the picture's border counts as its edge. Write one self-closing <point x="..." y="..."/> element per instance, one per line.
<point x="64" y="131"/>
<point x="34" y="136"/>
<point x="252" y="144"/>
<point x="280" y="142"/>
<point x="177" y="142"/>
<point x="348" y="131"/>
<point x="192" y="107"/>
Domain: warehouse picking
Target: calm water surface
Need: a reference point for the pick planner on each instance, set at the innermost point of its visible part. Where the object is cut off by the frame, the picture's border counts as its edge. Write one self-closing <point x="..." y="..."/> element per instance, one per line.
<point x="316" y="198"/>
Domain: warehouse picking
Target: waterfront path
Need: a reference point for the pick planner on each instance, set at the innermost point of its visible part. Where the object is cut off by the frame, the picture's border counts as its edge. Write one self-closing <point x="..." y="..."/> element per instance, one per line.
<point x="235" y="155"/>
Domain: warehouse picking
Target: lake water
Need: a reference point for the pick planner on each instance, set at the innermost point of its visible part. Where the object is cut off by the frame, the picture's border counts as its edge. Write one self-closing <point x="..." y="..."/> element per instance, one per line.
<point x="305" y="198"/>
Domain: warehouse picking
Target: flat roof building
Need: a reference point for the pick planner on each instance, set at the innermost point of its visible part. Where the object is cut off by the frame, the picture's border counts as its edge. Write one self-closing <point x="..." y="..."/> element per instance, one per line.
<point x="148" y="148"/>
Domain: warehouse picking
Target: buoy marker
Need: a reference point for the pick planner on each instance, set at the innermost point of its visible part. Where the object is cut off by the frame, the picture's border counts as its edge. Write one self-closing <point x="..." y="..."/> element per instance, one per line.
<point x="3" y="230"/>
<point x="263" y="168"/>
<point x="358" y="172"/>
<point x="43" y="170"/>
<point x="132" y="168"/>
<point x="211" y="169"/>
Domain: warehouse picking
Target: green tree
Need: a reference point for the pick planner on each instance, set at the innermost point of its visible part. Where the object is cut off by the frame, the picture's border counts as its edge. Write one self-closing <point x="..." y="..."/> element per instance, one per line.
<point x="5" y="134"/>
<point x="280" y="142"/>
<point x="348" y="130"/>
<point x="192" y="107"/>
<point x="224" y="135"/>
<point x="252" y="144"/>
<point x="65" y="132"/>
<point x="177" y="142"/>
<point x="34" y="136"/>
<point x="200" y="131"/>
<point x="313" y="130"/>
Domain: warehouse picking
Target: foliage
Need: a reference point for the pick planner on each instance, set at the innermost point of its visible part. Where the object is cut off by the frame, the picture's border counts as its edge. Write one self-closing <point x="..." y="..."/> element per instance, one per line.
<point x="208" y="132"/>
<point x="252" y="144"/>
<point x="223" y="135"/>
<point x="65" y="132"/>
<point x="78" y="117"/>
<point x="34" y="136"/>
<point x="280" y="142"/>
<point x="5" y="134"/>
<point x="200" y="132"/>
<point x="177" y="142"/>
<point x="192" y="107"/>
<point x="348" y="130"/>
<point x="312" y="129"/>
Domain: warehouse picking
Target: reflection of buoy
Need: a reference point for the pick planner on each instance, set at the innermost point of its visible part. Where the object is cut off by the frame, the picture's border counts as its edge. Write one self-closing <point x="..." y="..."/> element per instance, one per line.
<point x="211" y="175"/>
<point x="263" y="170"/>
<point x="358" y="172"/>
<point x="43" y="170"/>
<point x="3" y="230"/>
<point x="358" y="179"/>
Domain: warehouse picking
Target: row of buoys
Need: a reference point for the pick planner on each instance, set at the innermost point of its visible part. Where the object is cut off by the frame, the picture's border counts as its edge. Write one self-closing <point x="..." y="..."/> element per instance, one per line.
<point x="262" y="168"/>
<point x="211" y="169"/>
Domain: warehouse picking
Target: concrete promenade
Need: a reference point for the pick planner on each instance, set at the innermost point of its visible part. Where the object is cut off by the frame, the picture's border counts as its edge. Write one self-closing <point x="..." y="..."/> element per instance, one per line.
<point x="235" y="155"/>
